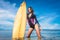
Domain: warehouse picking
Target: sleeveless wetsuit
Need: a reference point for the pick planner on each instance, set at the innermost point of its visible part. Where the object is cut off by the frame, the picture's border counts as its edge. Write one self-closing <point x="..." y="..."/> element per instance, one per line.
<point x="32" y="20"/>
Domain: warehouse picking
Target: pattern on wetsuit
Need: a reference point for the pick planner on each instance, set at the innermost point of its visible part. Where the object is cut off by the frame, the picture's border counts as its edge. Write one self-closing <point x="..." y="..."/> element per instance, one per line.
<point x="32" y="20"/>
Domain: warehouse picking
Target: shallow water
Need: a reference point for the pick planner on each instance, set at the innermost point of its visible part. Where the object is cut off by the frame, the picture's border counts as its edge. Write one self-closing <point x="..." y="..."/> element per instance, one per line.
<point x="45" y="35"/>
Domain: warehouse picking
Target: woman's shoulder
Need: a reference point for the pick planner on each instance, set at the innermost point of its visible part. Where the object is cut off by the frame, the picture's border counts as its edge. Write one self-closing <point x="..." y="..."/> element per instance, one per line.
<point x="34" y="15"/>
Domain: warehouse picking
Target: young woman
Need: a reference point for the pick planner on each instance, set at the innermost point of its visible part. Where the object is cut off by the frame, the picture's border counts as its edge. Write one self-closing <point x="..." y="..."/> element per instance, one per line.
<point x="33" y="23"/>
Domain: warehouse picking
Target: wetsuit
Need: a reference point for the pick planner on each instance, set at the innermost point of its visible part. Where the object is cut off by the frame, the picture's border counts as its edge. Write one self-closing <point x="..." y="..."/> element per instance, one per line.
<point x="32" y="20"/>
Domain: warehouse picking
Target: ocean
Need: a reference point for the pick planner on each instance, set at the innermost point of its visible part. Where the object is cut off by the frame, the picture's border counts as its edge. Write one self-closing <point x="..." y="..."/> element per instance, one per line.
<point x="46" y="34"/>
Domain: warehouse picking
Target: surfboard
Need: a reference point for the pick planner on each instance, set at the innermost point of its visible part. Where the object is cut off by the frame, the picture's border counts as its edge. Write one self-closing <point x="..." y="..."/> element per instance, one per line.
<point x="20" y="22"/>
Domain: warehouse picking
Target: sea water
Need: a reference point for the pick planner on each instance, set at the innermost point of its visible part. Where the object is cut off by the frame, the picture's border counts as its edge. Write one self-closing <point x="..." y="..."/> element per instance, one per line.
<point x="46" y="34"/>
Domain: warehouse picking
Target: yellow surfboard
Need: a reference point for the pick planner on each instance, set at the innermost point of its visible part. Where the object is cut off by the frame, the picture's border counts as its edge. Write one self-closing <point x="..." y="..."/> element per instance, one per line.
<point x="20" y="22"/>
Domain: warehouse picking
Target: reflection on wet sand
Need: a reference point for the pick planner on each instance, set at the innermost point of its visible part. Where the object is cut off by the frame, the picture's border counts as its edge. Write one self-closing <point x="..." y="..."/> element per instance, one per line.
<point x="17" y="38"/>
<point x="29" y="38"/>
<point x="26" y="39"/>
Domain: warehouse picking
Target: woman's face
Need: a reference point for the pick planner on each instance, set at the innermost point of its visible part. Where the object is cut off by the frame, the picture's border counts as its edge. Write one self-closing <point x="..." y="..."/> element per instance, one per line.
<point x="29" y="10"/>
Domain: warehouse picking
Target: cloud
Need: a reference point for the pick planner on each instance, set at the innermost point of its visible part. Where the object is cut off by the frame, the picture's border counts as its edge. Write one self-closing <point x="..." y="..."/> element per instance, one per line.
<point x="6" y="25"/>
<point x="7" y="6"/>
<point x="45" y="22"/>
<point x="7" y="14"/>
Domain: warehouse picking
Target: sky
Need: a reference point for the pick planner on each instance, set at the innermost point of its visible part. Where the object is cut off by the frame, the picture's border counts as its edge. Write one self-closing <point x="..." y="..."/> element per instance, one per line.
<point x="46" y="11"/>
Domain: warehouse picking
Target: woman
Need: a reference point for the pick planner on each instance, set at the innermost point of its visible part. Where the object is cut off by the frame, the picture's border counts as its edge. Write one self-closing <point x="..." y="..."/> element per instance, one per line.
<point x="33" y="23"/>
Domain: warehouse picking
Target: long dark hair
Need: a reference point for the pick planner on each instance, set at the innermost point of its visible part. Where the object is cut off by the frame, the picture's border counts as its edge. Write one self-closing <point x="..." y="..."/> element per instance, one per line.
<point x="31" y="9"/>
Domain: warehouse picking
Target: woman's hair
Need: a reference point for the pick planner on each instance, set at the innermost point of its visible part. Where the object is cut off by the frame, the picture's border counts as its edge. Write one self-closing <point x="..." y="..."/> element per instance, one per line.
<point x="31" y="9"/>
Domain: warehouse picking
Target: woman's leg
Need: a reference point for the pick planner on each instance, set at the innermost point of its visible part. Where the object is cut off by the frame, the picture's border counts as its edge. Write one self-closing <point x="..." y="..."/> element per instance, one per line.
<point x="37" y="31"/>
<point x="29" y="32"/>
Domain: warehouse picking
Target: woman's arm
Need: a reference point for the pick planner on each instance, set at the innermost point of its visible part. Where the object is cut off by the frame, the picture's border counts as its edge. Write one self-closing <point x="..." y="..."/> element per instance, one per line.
<point x="36" y="22"/>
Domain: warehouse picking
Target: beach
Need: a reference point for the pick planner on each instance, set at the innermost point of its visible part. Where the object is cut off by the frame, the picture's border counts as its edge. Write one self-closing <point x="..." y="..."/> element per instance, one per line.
<point x="46" y="34"/>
